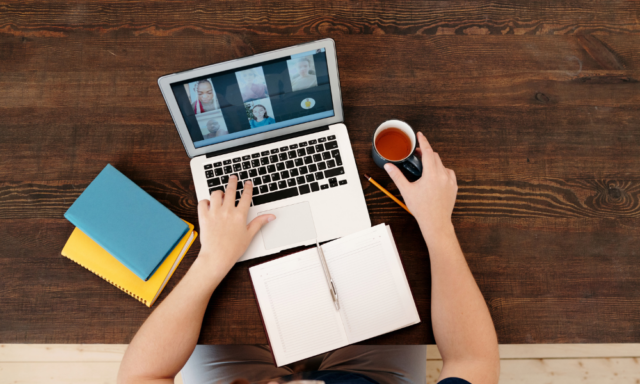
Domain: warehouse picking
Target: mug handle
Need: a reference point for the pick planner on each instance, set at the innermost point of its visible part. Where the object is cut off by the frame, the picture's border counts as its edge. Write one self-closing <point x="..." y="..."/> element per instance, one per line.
<point x="412" y="167"/>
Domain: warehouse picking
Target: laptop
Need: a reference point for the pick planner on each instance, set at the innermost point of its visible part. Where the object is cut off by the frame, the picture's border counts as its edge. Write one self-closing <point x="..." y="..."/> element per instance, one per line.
<point x="276" y="119"/>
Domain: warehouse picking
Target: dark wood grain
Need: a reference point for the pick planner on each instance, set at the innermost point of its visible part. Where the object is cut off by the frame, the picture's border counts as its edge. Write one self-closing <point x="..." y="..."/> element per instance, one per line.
<point x="535" y="105"/>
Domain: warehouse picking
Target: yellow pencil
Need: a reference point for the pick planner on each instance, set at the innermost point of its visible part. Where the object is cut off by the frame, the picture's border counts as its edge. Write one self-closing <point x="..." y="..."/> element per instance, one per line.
<point x="387" y="193"/>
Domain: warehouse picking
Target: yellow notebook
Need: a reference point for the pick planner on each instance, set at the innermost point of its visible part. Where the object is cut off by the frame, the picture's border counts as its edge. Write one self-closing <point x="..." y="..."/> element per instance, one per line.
<point x="86" y="252"/>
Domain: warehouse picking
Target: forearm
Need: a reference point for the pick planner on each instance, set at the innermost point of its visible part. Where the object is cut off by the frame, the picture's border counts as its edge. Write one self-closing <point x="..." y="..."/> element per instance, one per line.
<point x="462" y="324"/>
<point x="167" y="338"/>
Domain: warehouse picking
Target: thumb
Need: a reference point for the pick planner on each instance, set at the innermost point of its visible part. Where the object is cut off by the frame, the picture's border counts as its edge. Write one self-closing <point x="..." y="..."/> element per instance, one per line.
<point x="397" y="176"/>
<point x="257" y="223"/>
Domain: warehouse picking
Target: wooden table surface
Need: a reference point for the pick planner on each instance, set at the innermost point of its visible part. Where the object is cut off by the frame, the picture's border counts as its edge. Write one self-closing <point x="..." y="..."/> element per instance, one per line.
<point x="534" y="104"/>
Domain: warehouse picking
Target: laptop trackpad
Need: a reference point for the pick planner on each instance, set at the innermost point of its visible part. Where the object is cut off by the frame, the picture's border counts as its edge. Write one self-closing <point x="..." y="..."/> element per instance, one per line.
<point x="293" y="224"/>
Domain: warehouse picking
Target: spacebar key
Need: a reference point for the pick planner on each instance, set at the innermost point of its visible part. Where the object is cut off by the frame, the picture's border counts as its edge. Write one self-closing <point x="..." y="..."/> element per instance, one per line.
<point x="269" y="197"/>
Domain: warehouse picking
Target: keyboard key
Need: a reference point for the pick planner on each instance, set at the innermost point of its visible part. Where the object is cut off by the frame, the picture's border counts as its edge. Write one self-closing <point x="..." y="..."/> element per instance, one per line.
<point x="275" y="196"/>
<point x="311" y="151"/>
<point x="282" y="184"/>
<point x="322" y="166"/>
<point x="208" y="166"/>
<point x="310" y="178"/>
<point x="246" y="157"/>
<point x="313" y="142"/>
<point x="257" y="181"/>
<point x="324" y="186"/>
<point x="262" y="171"/>
<point x="264" y="189"/>
<point x="303" y="170"/>
<point x="240" y="185"/>
<point x="275" y="176"/>
<point x="275" y="150"/>
<point x="319" y="148"/>
<point x="302" y="152"/>
<point x="271" y="168"/>
<point x="284" y="174"/>
<point x="226" y="162"/>
<point x="313" y="168"/>
<point x="214" y="182"/>
<point x="322" y="140"/>
<point x="255" y="163"/>
<point x="331" y="163"/>
<point x="237" y="167"/>
<point x="273" y="158"/>
<point x="332" y="137"/>
<point x="255" y="155"/>
<point x="273" y="187"/>
<point x="319" y="176"/>
<point x="334" y="172"/>
<point x="280" y="166"/>
<point x="218" y="171"/>
<point x="314" y="187"/>
<point x="266" y="179"/>
<point x="333" y="182"/>
<point x="282" y="156"/>
<point x="228" y="169"/>
<point x="264" y="160"/>
<point x="304" y="189"/>
<point x="326" y="155"/>
<point x="256" y="190"/>
<point x="338" y="160"/>
<point x="291" y="182"/>
<point x="283" y="149"/>
<point x="342" y="182"/>
<point x="209" y="174"/>
<point x="264" y="153"/>
<point x="246" y="165"/>
<point x="331" y="145"/>
<point x="317" y="158"/>
<point x="244" y="175"/>
<point x="289" y="164"/>
<point x="335" y="153"/>
<point x="224" y="179"/>
<point x="217" y="164"/>
<point x="300" y="180"/>
<point x="308" y="160"/>
<point x="292" y="154"/>
<point x="236" y="160"/>
<point x="298" y="162"/>
<point x="303" y="144"/>
<point x="211" y="190"/>
<point x="294" y="172"/>
<point x="253" y="173"/>
<point x="293" y="146"/>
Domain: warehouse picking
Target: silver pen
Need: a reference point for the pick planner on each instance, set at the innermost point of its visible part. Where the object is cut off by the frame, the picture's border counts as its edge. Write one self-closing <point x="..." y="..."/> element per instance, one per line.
<point x="327" y="275"/>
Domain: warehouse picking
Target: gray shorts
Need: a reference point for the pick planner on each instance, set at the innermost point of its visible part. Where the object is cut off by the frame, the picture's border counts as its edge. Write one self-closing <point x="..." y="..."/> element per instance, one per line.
<point x="386" y="364"/>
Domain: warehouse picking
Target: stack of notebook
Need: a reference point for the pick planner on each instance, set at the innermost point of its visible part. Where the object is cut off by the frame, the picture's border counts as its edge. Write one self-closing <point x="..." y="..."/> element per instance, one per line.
<point x="126" y="237"/>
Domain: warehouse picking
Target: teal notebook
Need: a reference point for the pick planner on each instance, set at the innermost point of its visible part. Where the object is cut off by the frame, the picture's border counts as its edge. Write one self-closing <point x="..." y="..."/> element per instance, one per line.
<point x="127" y="222"/>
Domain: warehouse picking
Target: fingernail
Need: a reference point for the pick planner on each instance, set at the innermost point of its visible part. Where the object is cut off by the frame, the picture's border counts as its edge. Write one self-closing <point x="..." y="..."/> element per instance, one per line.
<point x="388" y="168"/>
<point x="271" y="218"/>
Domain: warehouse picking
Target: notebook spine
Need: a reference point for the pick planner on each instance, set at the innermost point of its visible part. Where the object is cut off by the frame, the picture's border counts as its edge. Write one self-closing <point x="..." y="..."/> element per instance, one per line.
<point x="140" y="299"/>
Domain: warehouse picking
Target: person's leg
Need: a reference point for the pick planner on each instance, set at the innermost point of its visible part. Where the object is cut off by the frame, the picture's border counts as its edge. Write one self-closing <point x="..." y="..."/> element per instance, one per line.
<point x="386" y="364"/>
<point x="222" y="364"/>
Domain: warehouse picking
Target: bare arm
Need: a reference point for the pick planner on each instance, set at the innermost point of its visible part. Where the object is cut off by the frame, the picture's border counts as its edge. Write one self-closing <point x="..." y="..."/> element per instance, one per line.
<point x="166" y="340"/>
<point x="461" y="321"/>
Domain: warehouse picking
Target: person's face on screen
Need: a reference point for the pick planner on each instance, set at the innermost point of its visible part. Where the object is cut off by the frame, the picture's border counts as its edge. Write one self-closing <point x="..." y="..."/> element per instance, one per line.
<point x="205" y="93"/>
<point x="259" y="112"/>
<point x="213" y="127"/>
<point x="303" y="68"/>
<point x="249" y="77"/>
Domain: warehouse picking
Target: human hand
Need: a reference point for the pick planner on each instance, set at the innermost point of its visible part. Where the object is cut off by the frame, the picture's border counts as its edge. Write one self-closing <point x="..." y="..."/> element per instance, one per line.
<point x="431" y="198"/>
<point x="225" y="234"/>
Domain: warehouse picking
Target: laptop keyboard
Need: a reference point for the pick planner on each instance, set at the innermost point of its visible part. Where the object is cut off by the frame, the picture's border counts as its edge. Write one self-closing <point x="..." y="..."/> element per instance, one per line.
<point x="283" y="172"/>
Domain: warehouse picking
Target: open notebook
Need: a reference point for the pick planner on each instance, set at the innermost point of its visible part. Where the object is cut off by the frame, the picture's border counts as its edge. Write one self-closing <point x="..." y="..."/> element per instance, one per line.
<point x="298" y="312"/>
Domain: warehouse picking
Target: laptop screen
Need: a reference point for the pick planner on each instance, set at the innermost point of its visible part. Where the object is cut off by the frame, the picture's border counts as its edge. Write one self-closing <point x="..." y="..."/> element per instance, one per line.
<point x="254" y="99"/>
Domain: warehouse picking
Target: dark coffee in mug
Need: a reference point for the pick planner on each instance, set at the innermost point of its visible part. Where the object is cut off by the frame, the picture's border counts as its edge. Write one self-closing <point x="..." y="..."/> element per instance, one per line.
<point x="393" y="144"/>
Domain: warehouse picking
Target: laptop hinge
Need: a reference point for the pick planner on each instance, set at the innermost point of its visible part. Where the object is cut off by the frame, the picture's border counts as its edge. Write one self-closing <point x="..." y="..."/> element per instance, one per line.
<point x="267" y="141"/>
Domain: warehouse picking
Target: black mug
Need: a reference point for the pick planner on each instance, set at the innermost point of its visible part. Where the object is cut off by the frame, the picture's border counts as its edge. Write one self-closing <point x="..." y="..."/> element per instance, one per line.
<point x="410" y="165"/>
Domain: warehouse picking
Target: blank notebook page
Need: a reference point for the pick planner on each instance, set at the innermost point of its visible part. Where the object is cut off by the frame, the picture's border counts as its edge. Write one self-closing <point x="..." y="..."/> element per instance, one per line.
<point x="372" y="287"/>
<point x="307" y="323"/>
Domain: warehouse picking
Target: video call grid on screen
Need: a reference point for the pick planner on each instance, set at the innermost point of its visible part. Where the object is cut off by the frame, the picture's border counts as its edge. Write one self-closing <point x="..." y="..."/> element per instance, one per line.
<point x="257" y="98"/>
